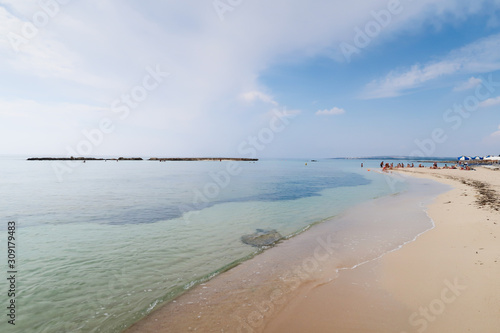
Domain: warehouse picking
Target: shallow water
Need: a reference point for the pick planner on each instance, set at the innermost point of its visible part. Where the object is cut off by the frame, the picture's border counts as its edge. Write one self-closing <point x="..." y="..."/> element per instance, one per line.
<point x="113" y="240"/>
<point x="320" y="258"/>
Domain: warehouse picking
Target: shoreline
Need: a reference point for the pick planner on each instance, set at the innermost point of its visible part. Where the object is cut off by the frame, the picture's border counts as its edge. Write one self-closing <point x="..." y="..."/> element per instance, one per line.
<point x="247" y="297"/>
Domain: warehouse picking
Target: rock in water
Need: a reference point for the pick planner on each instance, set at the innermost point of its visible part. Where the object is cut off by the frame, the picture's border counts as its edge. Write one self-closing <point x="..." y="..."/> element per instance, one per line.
<point x="262" y="238"/>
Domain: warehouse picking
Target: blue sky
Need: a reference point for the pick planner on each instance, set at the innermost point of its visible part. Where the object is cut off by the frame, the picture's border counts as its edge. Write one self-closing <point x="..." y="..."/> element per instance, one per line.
<point x="254" y="78"/>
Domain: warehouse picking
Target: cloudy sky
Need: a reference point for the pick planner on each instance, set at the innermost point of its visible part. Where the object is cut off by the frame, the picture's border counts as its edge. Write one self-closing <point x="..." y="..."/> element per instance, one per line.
<point x="245" y="78"/>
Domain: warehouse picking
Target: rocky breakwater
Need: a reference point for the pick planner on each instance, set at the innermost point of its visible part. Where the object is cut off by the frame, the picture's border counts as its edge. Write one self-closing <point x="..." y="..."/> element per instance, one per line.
<point x="163" y="159"/>
<point x="83" y="159"/>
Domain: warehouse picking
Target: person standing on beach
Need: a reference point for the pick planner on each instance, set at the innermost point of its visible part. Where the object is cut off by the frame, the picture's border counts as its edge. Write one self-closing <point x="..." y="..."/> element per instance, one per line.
<point x="382" y="164"/>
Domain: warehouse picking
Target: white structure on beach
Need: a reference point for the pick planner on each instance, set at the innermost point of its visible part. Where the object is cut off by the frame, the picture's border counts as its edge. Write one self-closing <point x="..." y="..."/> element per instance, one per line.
<point x="479" y="158"/>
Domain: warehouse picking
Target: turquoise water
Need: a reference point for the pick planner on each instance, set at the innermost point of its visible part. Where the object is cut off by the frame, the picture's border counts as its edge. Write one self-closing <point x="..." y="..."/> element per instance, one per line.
<point x="110" y="241"/>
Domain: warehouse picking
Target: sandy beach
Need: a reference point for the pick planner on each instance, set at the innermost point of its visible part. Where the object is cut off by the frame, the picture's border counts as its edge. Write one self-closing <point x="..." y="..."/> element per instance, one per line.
<point x="444" y="281"/>
<point x="453" y="269"/>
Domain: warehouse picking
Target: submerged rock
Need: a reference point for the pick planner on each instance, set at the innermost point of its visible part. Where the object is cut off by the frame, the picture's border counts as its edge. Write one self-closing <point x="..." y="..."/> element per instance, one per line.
<point x="262" y="238"/>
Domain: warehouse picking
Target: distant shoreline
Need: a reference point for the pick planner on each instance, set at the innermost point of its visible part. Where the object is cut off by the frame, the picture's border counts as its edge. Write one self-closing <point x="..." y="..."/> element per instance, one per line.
<point x="406" y="159"/>
<point x="141" y="159"/>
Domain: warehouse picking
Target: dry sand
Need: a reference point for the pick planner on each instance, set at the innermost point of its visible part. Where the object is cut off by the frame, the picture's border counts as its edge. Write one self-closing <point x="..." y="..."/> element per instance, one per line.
<point x="445" y="281"/>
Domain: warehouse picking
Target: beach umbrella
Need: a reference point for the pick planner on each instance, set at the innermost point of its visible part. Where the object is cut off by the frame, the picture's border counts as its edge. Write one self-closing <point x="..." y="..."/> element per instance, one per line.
<point x="464" y="158"/>
<point x="478" y="158"/>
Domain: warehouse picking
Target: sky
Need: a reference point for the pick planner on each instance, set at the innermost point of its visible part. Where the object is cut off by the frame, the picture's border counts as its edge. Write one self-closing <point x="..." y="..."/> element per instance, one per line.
<point x="240" y="78"/>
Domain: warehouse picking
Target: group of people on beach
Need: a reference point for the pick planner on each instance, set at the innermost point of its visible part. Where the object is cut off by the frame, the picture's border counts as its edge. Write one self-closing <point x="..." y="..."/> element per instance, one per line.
<point x="460" y="166"/>
<point x="388" y="166"/>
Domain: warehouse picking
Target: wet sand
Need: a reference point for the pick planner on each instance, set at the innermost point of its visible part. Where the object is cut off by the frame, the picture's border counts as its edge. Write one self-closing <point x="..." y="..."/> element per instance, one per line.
<point x="324" y="280"/>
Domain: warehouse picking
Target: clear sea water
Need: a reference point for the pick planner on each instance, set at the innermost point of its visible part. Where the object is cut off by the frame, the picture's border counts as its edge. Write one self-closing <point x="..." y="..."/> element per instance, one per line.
<point x="114" y="240"/>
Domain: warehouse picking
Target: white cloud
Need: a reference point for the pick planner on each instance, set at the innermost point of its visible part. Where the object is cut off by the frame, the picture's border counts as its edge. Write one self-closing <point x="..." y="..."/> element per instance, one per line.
<point x="490" y="102"/>
<point x="41" y="54"/>
<point x="50" y="113"/>
<point x="479" y="57"/>
<point x="496" y="134"/>
<point x="23" y="8"/>
<point x="332" y="112"/>
<point x="252" y="96"/>
<point x="471" y="83"/>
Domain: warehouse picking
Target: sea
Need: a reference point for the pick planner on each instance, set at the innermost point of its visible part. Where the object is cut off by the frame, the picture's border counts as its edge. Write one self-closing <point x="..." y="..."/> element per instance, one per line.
<point x="101" y="245"/>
